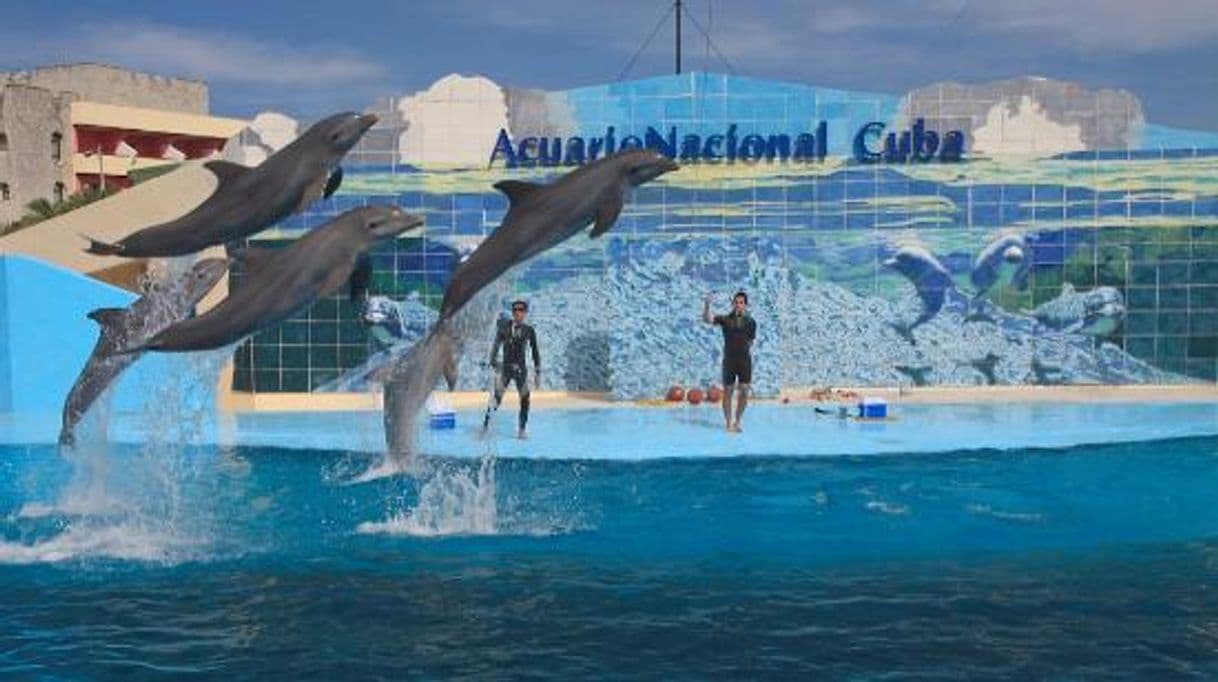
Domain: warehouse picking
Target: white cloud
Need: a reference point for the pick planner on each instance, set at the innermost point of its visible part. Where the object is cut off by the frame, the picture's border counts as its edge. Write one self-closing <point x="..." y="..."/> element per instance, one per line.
<point x="215" y="56"/>
<point x="223" y="57"/>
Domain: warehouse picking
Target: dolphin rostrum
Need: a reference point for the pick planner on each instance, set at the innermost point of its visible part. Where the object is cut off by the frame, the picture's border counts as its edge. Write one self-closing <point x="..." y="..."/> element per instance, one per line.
<point x="160" y="306"/>
<point x="282" y="282"/>
<point x="539" y="217"/>
<point x="249" y="200"/>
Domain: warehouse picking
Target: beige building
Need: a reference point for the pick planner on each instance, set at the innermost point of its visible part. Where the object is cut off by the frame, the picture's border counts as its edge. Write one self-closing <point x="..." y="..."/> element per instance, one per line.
<point x="67" y="128"/>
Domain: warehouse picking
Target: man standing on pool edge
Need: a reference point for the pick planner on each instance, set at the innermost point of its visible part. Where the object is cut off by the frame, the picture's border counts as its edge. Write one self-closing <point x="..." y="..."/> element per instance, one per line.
<point x="739" y="330"/>
<point x="513" y="335"/>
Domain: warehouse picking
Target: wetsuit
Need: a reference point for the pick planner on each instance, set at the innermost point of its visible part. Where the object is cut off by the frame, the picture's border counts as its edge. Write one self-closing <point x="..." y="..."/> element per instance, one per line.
<point x="738" y="334"/>
<point x="513" y="337"/>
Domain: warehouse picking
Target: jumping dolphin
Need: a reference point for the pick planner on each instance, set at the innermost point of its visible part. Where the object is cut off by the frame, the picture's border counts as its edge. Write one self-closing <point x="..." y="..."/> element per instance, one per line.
<point x="539" y="217"/>
<point x="160" y="306"/>
<point x="249" y="200"/>
<point x="282" y="282"/>
<point x="987" y="268"/>
<point x="929" y="278"/>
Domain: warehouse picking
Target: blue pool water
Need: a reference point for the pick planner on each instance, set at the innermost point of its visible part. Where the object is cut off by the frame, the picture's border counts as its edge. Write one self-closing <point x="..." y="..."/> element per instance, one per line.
<point x="1047" y="559"/>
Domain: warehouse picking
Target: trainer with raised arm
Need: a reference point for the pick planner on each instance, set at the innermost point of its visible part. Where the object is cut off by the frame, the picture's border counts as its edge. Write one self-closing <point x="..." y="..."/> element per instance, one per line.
<point x="739" y="330"/>
<point x="512" y="336"/>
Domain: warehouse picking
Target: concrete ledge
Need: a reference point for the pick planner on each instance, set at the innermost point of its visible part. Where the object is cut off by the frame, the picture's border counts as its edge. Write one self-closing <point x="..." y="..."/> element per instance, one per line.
<point x="358" y="402"/>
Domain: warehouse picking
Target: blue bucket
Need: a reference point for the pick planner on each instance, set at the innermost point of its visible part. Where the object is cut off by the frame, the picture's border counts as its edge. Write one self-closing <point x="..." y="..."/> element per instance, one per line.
<point x="443" y="420"/>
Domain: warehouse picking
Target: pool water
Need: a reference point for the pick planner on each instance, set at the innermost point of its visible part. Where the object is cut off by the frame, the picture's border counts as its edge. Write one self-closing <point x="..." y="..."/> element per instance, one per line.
<point x="1087" y="560"/>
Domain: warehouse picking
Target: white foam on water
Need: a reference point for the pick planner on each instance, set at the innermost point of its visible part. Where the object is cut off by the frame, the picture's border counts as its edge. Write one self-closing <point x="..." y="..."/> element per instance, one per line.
<point x="452" y="501"/>
<point x="143" y="506"/>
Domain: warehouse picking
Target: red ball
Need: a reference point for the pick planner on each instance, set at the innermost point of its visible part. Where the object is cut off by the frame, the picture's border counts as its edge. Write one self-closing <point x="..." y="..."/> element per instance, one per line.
<point x="675" y="394"/>
<point x="694" y="396"/>
<point x="715" y="394"/>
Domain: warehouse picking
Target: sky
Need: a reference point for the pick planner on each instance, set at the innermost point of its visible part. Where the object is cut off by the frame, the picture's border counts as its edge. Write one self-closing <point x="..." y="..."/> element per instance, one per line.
<point x="309" y="58"/>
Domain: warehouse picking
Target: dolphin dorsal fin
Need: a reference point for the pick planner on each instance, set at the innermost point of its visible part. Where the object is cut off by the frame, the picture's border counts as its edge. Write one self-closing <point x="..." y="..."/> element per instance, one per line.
<point x="606" y="215"/>
<point x="225" y="171"/>
<point x="108" y="318"/>
<point x="517" y="190"/>
<point x="252" y="257"/>
<point x="333" y="183"/>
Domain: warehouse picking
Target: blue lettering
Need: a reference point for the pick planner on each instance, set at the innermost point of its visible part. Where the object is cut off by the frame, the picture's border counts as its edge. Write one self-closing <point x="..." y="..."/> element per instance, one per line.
<point x="631" y="142"/>
<point x="731" y="143"/>
<point x="550" y="153"/>
<point x="595" y="147"/>
<point x="894" y="151"/>
<point x="667" y="147"/>
<point x="778" y="146"/>
<point x="752" y="147"/>
<point x="953" y="147"/>
<point x="862" y="153"/>
<point x="610" y="145"/>
<point x="503" y="146"/>
<point x="522" y="151"/>
<point x="691" y="148"/>
<point x="822" y="140"/>
<point x="925" y="142"/>
<point x="575" y="151"/>
<point x="711" y="149"/>
<point x="805" y="147"/>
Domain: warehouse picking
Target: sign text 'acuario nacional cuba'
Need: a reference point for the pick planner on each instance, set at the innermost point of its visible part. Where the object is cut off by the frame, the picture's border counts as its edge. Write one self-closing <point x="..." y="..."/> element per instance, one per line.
<point x="871" y="145"/>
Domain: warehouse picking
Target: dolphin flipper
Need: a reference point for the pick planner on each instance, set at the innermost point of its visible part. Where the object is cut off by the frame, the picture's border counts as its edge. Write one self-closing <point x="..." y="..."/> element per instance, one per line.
<point x="99" y="248"/>
<point x="252" y="257"/>
<point x="606" y="215"/>
<point x="333" y="183"/>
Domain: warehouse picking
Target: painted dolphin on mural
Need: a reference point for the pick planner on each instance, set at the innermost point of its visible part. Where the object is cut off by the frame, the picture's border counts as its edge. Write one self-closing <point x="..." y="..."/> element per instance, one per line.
<point x="1005" y="250"/>
<point x="539" y="217"/>
<point x="249" y="200"/>
<point x="930" y="279"/>
<point x="283" y="282"/>
<point x="1098" y="312"/>
<point x="160" y="306"/>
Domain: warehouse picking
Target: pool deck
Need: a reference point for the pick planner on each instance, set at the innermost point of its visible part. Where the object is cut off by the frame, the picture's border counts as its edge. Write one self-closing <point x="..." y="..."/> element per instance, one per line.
<point x="349" y="402"/>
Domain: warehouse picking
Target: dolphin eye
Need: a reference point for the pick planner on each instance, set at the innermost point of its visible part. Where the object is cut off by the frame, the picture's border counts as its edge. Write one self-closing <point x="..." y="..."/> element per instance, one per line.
<point x="374" y="224"/>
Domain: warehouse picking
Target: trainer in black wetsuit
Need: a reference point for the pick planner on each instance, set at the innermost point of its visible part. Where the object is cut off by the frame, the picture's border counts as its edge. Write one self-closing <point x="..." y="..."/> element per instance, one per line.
<point x="739" y="330"/>
<point x="513" y="335"/>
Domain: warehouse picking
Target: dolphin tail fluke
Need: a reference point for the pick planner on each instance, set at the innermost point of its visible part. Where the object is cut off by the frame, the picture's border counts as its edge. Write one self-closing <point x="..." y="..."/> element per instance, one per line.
<point x="99" y="248"/>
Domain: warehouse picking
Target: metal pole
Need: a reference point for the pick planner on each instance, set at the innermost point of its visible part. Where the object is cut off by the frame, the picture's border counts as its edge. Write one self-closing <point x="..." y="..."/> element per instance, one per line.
<point x="678" y="37"/>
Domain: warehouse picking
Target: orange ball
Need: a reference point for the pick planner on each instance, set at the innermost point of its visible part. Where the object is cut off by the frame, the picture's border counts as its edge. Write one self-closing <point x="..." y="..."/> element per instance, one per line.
<point x="675" y="394"/>
<point x="715" y="394"/>
<point x="694" y="396"/>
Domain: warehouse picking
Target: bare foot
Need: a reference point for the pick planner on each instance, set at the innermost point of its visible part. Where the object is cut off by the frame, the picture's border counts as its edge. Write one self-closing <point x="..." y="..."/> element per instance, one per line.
<point x="521" y="434"/>
<point x="737" y="428"/>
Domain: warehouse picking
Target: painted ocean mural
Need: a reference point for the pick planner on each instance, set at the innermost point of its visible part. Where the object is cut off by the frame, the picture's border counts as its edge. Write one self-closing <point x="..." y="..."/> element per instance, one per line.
<point x="1073" y="242"/>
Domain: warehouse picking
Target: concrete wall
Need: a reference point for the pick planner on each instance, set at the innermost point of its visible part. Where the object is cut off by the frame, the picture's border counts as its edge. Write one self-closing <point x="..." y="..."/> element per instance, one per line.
<point x="28" y="117"/>
<point x="47" y="338"/>
<point x="111" y="85"/>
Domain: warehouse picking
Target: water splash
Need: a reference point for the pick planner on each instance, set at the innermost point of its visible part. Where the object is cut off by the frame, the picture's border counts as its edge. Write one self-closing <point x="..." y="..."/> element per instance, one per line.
<point x="151" y="503"/>
<point x="453" y="500"/>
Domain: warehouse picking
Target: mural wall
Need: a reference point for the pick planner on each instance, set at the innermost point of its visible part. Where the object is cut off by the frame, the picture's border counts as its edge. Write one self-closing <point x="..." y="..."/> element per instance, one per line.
<point x="1073" y="242"/>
